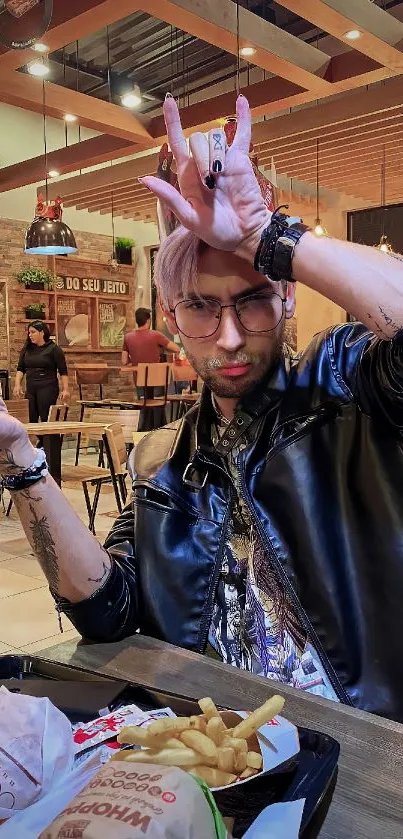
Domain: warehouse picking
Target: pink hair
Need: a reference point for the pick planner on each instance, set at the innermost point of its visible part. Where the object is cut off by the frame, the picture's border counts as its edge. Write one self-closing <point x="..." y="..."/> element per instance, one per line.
<point x="176" y="266"/>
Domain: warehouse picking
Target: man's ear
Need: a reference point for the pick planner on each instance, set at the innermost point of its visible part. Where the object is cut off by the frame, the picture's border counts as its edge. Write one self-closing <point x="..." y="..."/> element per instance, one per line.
<point x="290" y="300"/>
<point x="170" y="322"/>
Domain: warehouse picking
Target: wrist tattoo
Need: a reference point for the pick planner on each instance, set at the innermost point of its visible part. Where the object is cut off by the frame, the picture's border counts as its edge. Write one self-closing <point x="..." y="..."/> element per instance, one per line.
<point x="390" y="321"/>
<point x="217" y="139"/>
<point x="44" y="548"/>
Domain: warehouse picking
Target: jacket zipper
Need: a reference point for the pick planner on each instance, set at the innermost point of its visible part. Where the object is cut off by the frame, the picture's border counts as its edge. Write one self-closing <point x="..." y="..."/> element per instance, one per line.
<point x="328" y="668"/>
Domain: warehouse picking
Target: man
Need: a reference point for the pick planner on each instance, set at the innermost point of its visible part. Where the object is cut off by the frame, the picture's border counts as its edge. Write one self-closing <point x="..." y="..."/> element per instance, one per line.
<point x="144" y="344"/>
<point x="268" y="526"/>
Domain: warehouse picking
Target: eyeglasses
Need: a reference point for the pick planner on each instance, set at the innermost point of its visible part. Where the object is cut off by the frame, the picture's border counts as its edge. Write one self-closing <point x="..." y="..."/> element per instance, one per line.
<point x="200" y="317"/>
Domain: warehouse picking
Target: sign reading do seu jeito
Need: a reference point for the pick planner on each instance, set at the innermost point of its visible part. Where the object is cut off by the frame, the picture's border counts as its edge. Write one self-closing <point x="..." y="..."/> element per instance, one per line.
<point x="94" y="286"/>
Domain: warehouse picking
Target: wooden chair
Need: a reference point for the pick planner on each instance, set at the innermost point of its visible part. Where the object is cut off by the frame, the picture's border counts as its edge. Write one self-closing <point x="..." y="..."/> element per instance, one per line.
<point x="58" y="413"/>
<point x="18" y="408"/>
<point x="91" y="374"/>
<point x="153" y="375"/>
<point x="182" y="373"/>
<point x="97" y="476"/>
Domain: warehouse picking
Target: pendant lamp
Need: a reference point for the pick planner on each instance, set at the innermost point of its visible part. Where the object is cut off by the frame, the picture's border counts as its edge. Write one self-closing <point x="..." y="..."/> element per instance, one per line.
<point x="48" y="234"/>
<point x="383" y="245"/>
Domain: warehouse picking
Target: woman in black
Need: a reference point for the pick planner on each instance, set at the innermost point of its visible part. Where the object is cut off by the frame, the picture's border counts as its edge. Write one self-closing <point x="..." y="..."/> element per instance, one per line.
<point x="41" y="360"/>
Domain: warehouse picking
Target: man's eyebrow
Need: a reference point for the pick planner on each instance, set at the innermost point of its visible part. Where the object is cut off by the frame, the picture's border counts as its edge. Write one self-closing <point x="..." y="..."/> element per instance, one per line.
<point x="192" y="295"/>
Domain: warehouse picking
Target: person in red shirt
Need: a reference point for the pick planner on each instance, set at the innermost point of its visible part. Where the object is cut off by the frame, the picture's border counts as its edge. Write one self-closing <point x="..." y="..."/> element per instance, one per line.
<point x="143" y="345"/>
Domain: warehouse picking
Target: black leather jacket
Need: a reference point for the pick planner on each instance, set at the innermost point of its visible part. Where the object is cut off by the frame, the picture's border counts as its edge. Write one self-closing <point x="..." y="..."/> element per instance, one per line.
<point x="324" y="483"/>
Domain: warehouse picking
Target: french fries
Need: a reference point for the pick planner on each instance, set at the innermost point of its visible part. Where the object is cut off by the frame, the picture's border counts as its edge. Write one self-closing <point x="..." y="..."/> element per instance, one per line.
<point x="202" y="745"/>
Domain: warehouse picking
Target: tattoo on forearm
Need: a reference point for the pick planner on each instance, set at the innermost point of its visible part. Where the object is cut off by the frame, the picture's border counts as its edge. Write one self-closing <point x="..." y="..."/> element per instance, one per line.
<point x="390" y="321"/>
<point x="44" y="548"/>
<point x="105" y="572"/>
<point x="379" y="329"/>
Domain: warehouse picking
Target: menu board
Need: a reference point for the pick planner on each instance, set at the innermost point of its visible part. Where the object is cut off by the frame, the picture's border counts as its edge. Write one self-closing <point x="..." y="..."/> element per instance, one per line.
<point x="112" y="323"/>
<point x="73" y="322"/>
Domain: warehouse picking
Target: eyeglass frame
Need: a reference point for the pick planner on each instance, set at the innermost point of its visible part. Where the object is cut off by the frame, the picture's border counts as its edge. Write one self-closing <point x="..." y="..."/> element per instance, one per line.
<point x="229" y="306"/>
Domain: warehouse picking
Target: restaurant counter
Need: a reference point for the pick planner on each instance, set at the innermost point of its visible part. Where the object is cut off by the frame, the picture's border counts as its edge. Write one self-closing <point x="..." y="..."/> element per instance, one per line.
<point x="368" y="799"/>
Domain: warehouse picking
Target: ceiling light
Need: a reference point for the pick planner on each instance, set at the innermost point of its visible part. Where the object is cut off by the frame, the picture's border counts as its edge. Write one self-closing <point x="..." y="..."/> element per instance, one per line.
<point x="38" y="68"/>
<point x="132" y="99"/>
<point x="353" y="34"/>
<point x="319" y="230"/>
<point x="39" y="47"/>
<point x="53" y="173"/>
<point x="70" y="118"/>
<point x="247" y="51"/>
<point x="384" y="245"/>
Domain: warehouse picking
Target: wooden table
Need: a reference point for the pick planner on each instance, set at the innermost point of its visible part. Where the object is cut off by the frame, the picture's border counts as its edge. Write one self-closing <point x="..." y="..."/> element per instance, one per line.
<point x="368" y="800"/>
<point x="53" y="433"/>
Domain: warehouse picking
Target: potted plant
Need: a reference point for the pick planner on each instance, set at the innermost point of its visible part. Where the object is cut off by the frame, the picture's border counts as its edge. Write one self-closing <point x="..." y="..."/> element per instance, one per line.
<point x="35" y="278"/>
<point x="123" y="250"/>
<point x="35" y="311"/>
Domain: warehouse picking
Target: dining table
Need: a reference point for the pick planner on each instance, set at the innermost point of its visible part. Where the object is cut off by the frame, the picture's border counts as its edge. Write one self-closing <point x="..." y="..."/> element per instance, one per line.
<point x="53" y="433"/>
<point x="367" y="801"/>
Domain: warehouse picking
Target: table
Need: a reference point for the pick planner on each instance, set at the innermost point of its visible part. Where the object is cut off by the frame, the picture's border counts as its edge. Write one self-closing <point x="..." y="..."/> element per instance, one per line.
<point x="368" y="799"/>
<point x="52" y="433"/>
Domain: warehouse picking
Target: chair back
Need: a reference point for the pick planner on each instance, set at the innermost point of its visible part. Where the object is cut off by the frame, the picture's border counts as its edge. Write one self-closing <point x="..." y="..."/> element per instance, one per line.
<point x="128" y="420"/>
<point x="58" y="413"/>
<point x="91" y="374"/>
<point x="18" y="408"/>
<point x="153" y="375"/>
<point x="116" y="448"/>
<point x="183" y="373"/>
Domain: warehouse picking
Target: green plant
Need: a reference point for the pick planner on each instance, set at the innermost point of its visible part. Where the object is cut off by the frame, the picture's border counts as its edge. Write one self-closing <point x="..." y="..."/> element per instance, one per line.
<point x="123" y="242"/>
<point x="36" y="307"/>
<point x="34" y="276"/>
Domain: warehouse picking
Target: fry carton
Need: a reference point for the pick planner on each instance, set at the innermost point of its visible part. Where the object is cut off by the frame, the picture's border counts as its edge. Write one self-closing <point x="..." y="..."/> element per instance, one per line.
<point x="277" y="741"/>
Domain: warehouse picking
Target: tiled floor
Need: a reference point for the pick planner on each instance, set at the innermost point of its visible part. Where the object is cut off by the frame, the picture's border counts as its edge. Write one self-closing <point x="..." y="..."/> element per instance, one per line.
<point x="28" y="620"/>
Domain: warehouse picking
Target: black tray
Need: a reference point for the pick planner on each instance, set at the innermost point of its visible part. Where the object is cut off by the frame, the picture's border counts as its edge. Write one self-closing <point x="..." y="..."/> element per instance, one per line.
<point x="311" y="775"/>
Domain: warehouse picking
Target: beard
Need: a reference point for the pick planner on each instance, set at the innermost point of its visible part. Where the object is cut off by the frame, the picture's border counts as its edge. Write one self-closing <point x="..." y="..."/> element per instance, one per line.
<point x="227" y="388"/>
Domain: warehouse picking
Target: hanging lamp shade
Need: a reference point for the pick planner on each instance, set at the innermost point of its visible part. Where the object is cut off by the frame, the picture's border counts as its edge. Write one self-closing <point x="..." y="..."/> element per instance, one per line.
<point x="48" y="234"/>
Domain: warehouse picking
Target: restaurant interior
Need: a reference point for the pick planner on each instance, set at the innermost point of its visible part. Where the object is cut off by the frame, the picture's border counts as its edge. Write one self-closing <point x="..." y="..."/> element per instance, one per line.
<point x="82" y="86"/>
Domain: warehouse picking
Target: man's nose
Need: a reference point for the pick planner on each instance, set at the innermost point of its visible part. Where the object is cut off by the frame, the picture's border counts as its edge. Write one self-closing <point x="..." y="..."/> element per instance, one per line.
<point x="231" y="335"/>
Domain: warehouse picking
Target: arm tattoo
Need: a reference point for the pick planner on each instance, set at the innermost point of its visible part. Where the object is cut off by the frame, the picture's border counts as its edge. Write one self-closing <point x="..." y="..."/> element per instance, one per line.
<point x="389" y="321"/>
<point x="105" y="572"/>
<point x="44" y="548"/>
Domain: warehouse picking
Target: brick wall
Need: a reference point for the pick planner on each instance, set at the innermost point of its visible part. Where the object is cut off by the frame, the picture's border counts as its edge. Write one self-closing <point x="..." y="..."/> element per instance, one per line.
<point x="90" y="246"/>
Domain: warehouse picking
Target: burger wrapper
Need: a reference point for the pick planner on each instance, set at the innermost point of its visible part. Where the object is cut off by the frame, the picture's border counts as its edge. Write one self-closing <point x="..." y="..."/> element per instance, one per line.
<point x="128" y="801"/>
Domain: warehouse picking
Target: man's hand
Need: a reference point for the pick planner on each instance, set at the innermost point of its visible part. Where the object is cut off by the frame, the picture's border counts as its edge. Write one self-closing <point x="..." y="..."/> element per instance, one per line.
<point x="220" y="199"/>
<point x="65" y="396"/>
<point x="16" y="450"/>
<point x="18" y="392"/>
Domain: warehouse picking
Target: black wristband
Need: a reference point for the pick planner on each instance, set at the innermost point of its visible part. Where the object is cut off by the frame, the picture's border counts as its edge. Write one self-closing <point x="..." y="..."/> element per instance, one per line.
<point x="276" y="248"/>
<point x="27" y="477"/>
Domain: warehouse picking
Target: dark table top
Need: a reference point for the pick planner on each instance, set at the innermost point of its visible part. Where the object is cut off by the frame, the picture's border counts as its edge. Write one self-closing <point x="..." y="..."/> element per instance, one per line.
<point x="368" y="800"/>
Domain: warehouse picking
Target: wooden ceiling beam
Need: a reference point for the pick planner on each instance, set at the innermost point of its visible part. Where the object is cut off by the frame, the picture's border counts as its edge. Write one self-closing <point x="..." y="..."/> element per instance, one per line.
<point x="25" y="91"/>
<point x="343" y="152"/>
<point x="276" y="50"/>
<point x="381" y="32"/>
<point x="344" y="109"/>
<point x="111" y="176"/>
<point x="90" y="152"/>
<point x="105" y="201"/>
<point x="96" y="195"/>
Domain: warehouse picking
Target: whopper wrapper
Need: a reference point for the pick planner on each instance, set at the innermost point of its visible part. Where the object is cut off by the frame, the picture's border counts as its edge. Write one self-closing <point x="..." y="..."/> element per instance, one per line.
<point x="129" y="801"/>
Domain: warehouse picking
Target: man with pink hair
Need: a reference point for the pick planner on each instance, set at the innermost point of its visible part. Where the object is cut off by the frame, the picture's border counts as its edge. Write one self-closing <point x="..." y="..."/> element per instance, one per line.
<point x="266" y="526"/>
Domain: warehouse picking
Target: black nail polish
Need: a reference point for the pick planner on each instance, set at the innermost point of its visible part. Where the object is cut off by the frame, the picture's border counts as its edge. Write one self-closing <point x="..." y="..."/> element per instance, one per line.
<point x="217" y="166"/>
<point x="210" y="182"/>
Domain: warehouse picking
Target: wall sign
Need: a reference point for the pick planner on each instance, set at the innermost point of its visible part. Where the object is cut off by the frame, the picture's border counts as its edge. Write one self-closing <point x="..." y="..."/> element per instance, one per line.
<point x="116" y="287"/>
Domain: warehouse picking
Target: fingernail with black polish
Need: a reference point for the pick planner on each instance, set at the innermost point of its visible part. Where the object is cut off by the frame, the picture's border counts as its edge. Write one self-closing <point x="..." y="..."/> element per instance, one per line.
<point x="217" y="166"/>
<point x="210" y="182"/>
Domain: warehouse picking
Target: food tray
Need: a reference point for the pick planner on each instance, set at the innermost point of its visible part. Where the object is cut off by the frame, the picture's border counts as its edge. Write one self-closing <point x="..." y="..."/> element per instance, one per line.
<point x="310" y="775"/>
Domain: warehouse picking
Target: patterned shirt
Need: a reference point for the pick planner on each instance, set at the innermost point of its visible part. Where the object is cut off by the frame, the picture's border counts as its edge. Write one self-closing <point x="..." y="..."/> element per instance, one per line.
<point x="254" y="625"/>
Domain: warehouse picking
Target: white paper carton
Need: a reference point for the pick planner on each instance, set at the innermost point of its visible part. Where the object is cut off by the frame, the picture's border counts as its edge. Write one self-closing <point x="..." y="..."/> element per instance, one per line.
<point x="277" y="741"/>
